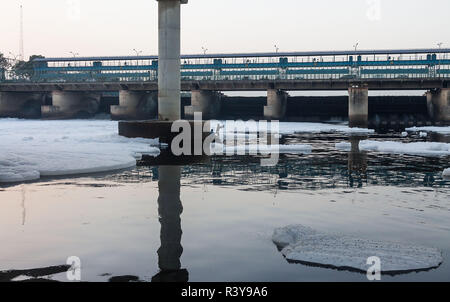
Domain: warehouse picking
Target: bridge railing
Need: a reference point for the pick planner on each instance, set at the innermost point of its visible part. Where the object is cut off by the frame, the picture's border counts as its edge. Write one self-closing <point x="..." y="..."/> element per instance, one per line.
<point x="125" y="69"/>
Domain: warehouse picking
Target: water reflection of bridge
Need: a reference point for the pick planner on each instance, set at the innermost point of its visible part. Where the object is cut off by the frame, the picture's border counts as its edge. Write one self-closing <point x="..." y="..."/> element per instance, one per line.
<point x="312" y="172"/>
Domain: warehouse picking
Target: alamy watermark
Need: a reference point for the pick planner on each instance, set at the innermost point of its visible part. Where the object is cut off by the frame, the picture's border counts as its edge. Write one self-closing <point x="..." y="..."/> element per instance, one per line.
<point x="373" y="10"/>
<point x="374" y="271"/>
<point x="74" y="272"/>
<point x="73" y="10"/>
<point x="231" y="138"/>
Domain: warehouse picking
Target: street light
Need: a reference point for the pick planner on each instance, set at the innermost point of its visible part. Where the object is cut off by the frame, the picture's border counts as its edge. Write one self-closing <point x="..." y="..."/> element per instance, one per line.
<point x="204" y="50"/>
<point x="276" y="48"/>
<point x="137" y="52"/>
<point x="14" y="56"/>
<point x="439" y="56"/>
<point x="74" y="53"/>
<point x="356" y="46"/>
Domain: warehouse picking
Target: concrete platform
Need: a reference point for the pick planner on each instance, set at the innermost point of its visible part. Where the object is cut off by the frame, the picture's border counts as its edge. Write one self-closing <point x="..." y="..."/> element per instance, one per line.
<point x="160" y="129"/>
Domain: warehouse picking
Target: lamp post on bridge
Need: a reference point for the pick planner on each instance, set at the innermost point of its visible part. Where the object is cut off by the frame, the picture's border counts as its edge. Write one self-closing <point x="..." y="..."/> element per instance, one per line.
<point x="74" y="53"/>
<point x="138" y="52"/>
<point x="439" y="60"/>
<point x="14" y="56"/>
<point x="355" y="63"/>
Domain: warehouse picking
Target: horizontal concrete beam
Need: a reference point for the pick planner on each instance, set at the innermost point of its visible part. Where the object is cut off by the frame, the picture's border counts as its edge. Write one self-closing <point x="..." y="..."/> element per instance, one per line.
<point x="237" y="85"/>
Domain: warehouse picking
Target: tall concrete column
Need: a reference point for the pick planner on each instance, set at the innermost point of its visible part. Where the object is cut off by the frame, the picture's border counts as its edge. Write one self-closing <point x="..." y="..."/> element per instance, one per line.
<point x="358" y="106"/>
<point x="209" y="103"/>
<point x="135" y="105"/>
<point x="169" y="80"/>
<point x="276" y="104"/>
<point x="169" y="65"/>
<point x="67" y="104"/>
<point x="21" y="104"/>
<point x="438" y="102"/>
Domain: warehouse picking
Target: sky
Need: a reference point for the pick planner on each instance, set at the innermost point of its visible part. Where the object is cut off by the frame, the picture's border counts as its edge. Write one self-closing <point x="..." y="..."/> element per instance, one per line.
<point x="113" y="27"/>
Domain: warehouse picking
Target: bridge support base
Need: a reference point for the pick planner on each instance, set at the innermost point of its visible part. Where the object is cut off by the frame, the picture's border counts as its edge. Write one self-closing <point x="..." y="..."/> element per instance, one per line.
<point x="358" y="106"/>
<point x="67" y="105"/>
<point x="21" y="104"/>
<point x="276" y="104"/>
<point x="438" y="102"/>
<point x="195" y="133"/>
<point x="209" y="103"/>
<point x="135" y="105"/>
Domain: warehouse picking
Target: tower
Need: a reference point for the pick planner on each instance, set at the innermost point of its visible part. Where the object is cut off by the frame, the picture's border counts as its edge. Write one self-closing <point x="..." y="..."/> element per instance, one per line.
<point x="21" y="52"/>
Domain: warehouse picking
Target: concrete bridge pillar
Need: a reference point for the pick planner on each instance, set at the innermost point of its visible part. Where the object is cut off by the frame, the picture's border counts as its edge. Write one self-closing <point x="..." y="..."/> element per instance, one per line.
<point x="438" y="102"/>
<point x="358" y="106"/>
<point x="209" y="103"/>
<point x="67" y="105"/>
<point x="169" y="76"/>
<point x="276" y="104"/>
<point x="135" y="105"/>
<point x="21" y="104"/>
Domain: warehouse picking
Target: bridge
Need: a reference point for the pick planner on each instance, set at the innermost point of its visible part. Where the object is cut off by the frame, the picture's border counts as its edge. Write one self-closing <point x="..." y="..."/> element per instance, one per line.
<point x="75" y="83"/>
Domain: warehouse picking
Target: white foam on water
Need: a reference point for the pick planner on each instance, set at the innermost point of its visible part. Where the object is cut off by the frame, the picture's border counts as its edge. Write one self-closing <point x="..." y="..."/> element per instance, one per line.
<point x="343" y="146"/>
<point x="442" y="130"/>
<point x="292" y="128"/>
<point x="417" y="148"/>
<point x="300" y="243"/>
<point x="31" y="149"/>
<point x="446" y="173"/>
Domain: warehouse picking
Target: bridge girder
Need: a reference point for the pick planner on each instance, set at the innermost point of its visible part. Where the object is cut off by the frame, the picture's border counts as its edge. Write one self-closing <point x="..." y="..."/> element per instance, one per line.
<point x="238" y="85"/>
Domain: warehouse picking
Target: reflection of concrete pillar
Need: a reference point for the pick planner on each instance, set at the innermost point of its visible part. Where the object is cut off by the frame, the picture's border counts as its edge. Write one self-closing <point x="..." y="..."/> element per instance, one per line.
<point x="170" y="209"/>
<point x="209" y="103"/>
<point x="276" y="104"/>
<point x="438" y="102"/>
<point x="169" y="75"/>
<point x="357" y="162"/>
<point x="439" y="137"/>
<point x="358" y="106"/>
<point x="135" y="105"/>
<point x="72" y="105"/>
<point x="21" y="104"/>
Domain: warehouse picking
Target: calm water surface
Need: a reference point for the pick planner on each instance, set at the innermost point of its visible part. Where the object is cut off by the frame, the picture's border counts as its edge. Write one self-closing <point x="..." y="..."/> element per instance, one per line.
<point x="213" y="221"/>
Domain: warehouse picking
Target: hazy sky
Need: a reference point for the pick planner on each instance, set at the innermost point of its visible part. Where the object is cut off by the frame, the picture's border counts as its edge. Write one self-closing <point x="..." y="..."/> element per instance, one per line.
<point x="113" y="27"/>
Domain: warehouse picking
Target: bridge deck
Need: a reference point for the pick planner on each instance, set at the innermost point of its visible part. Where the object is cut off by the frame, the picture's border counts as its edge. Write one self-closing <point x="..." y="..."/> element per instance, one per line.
<point x="238" y="85"/>
<point x="332" y="70"/>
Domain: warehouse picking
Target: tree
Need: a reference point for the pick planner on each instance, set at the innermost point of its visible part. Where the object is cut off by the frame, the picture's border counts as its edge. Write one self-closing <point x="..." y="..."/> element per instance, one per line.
<point x="25" y="69"/>
<point x="3" y="62"/>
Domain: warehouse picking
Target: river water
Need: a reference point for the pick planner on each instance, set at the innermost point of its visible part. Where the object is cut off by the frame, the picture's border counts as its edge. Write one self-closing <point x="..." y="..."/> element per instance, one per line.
<point x="213" y="220"/>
